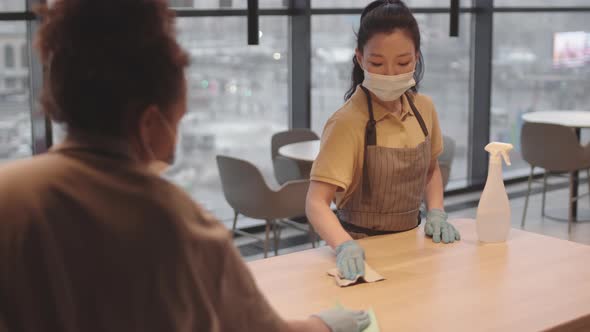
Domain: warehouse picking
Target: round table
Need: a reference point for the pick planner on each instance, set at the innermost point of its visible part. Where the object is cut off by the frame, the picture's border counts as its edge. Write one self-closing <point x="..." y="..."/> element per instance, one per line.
<point x="573" y="119"/>
<point x="304" y="151"/>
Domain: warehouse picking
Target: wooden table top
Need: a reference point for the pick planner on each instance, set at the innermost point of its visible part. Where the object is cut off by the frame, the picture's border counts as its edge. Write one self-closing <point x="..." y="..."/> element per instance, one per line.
<point x="530" y="283"/>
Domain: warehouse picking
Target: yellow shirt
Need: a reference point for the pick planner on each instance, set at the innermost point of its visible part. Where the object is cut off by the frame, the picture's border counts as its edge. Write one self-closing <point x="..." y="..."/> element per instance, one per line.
<point x="340" y="160"/>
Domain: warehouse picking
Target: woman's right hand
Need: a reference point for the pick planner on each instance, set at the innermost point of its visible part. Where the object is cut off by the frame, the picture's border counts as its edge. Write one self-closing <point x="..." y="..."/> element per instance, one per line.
<point x="343" y="320"/>
<point x="333" y="320"/>
<point x="350" y="259"/>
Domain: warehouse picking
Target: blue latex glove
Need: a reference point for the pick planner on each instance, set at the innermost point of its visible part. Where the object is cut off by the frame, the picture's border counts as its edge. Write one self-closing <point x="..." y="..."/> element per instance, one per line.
<point x="350" y="259"/>
<point x="438" y="228"/>
<point x="342" y="320"/>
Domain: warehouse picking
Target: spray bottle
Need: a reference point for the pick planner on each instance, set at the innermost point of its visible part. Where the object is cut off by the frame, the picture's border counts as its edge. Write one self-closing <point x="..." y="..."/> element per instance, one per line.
<point x="493" y="213"/>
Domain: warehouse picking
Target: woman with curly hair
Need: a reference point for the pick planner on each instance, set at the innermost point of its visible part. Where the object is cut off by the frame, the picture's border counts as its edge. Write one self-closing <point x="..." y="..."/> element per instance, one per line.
<point x="91" y="238"/>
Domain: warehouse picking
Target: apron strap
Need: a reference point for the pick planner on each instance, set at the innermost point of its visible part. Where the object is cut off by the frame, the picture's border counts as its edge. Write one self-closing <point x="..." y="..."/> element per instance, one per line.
<point x="370" y="139"/>
<point x="418" y="116"/>
<point x="370" y="130"/>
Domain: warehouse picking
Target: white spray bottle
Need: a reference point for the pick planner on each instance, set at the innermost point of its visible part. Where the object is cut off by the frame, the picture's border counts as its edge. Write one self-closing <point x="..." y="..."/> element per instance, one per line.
<point x="493" y="212"/>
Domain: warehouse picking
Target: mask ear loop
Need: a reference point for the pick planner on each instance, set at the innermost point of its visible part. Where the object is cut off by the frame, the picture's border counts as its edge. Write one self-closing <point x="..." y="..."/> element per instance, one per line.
<point x="146" y="147"/>
<point x="171" y="135"/>
<point x="154" y="164"/>
<point x="143" y="148"/>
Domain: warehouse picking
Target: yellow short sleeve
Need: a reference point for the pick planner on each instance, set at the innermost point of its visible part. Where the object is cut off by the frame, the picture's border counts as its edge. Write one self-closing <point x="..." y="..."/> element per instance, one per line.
<point x="339" y="153"/>
<point x="436" y="136"/>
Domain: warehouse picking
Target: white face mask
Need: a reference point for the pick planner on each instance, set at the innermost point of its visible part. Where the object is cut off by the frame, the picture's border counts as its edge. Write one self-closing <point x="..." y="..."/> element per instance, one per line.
<point x="388" y="87"/>
<point x="172" y="136"/>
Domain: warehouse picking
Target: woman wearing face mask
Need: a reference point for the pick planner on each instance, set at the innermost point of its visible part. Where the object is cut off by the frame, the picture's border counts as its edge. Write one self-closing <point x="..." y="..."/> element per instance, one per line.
<point x="378" y="156"/>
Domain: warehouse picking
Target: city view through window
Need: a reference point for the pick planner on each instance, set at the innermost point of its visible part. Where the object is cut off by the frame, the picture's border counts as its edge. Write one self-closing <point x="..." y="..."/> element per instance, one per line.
<point x="238" y="94"/>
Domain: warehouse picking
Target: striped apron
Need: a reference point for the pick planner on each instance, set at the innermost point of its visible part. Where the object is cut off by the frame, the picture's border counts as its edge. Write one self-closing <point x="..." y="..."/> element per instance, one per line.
<point x="392" y="189"/>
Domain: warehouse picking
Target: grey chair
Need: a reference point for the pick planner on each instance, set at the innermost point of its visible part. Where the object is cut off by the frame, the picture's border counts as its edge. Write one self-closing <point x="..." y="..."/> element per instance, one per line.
<point x="556" y="149"/>
<point x="287" y="169"/>
<point x="445" y="160"/>
<point x="248" y="194"/>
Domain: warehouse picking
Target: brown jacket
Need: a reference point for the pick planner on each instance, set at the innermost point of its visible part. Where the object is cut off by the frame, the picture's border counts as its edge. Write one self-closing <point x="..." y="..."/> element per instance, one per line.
<point x="91" y="240"/>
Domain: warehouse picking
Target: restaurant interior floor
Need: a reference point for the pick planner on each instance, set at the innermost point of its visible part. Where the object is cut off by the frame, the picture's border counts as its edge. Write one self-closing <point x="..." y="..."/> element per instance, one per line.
<point x="465" y="206"/>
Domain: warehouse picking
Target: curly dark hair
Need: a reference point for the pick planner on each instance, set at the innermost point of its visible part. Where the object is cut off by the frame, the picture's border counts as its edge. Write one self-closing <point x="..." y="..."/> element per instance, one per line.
<point x="107" y="60"/>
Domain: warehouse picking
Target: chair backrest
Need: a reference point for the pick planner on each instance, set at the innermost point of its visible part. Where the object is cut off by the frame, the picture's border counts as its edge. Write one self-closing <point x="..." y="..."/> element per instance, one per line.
<point x="287" y="169"/>
<point x="552" y="147"/>
<point x="445" y="160"/>
<point x="243" y="186"/>
<point x="290" y="136"/>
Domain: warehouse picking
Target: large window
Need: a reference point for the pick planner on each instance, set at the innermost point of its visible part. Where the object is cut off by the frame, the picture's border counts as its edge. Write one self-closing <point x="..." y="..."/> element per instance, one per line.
<point x="540" y="3"/>
<point x="227" y="4"/>
<point x="238" y="98"/>
<point x="238" y="94"/>
<point x="541" y="67"/>
<point x="12" y="5"/>
<point x="15" y="120"/>
<point x="446" y="80"/>
<point x="9" y="56"/>
<point x="362" y="3"/>
<point x="24" y="58"/>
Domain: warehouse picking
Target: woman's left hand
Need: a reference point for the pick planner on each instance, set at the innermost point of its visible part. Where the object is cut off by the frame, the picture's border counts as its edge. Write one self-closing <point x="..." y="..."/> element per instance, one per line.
<point x="437" y="227"/>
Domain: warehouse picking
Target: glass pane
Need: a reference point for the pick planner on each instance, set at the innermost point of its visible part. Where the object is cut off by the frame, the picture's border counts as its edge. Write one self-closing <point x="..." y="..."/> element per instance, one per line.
<point x="545" y="66"/>
<point x="227" y="4"/>
<point x="539" y="3"/>
<point x="238" y="98"/>
<point x="446" y="79"/>
<point x="9" y="56"/>
<point x="15" y="120"/>
<point x="12" y="5"/>
<point x="363" y="3"/>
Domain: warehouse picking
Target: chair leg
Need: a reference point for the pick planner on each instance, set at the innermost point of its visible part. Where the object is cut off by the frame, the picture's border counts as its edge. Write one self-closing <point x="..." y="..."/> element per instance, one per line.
<point x="268" y="225"/>
<point x="279" y="230"/>
<point x="311" y="234"/>
<point x="572" y="199"/>
<point x="588" y="181"/>
<point x="570" y="221"/>
<point x="526" y="201"/>
<point x="570" y="216"/>
<point x="236" y="214"/>
<point x="276" y="235"/>
<point x="544" y="193"/>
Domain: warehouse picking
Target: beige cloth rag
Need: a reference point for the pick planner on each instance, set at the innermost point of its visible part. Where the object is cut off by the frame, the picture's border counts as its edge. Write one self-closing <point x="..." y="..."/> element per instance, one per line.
<point x="370" y="276"/>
